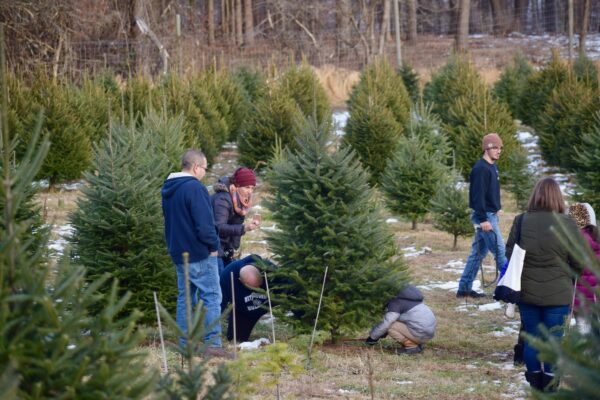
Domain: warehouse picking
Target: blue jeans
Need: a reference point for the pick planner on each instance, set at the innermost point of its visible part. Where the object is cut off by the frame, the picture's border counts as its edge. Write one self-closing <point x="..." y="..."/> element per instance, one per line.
<point x="482" y="243"/>
<point x="204" y="283"/>
<point x="534" y="316"/>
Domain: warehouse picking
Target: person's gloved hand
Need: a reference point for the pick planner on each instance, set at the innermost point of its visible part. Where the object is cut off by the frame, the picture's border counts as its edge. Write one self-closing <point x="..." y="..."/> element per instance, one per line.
<point x="371" y="341"/>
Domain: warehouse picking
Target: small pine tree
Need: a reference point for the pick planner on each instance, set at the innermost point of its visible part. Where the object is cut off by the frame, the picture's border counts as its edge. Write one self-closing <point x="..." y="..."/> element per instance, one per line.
<point x="451" y="212"/>
<point x="276" y="119"/>
<point x="457" y="78"/>
<point x="251" y="81"/>
<point x="373" y="132"/>
<point x="116" y="226"/>
<point x="568" y="115"/>
<point x="518" y="178"/>
<point x="586" y="72"/>
<point x="411" y="82"/>
<point x="427" y="126"/>
<point x="325" y="210"/>
<point x="539" y="88"/>
<point x="588" y="173"/>
<point x="510" y="87"/>
<point x="411" y="179"/>
<point x="379" y="114"/>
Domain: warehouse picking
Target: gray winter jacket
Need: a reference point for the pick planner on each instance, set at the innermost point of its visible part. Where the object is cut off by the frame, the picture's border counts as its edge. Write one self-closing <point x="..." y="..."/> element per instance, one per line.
<point x="408" y="307"/>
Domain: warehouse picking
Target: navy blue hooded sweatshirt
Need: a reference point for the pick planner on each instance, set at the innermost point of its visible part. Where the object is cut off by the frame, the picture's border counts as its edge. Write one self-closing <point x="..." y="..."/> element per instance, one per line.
<point x="484" y="189"/>
<point x="189" y="223"/>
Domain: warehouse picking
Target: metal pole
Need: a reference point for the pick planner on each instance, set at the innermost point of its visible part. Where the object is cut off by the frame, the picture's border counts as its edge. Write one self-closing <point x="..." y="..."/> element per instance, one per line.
<point x="312" y="338"/>
<point x="162" y="340"/>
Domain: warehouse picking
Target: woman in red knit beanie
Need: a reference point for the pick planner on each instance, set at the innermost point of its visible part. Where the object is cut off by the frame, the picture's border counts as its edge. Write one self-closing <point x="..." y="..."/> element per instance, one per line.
<point x="231" y="202"/>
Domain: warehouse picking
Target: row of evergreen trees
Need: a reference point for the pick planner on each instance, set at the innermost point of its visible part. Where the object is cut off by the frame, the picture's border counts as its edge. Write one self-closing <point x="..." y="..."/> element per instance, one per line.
<point x="562" y="103"/>
<point x="214" y="107"/>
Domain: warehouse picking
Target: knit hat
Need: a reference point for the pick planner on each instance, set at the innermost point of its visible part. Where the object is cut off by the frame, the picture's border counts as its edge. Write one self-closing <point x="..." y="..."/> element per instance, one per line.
<point x="491" y="140"/>
<point x="244" y="177"/>
<point x="583" y="214"/>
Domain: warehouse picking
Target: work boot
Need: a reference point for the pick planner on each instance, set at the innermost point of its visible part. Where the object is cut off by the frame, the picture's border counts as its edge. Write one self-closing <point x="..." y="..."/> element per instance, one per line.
<point x="460" y="294"/>
<point x="410" y="350"/>
<point x="518" y="357"/>
<point x="535" y="379"/>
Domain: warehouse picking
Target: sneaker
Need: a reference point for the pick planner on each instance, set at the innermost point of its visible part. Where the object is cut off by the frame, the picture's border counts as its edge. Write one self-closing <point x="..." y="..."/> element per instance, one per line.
<point x="472" y="294"/>
<point x="217" y="352"/>
<point x="410" y="350"/>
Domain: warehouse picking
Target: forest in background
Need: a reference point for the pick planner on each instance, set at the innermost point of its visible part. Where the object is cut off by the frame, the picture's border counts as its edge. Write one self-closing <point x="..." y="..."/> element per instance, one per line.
<point x="70" y="38"/>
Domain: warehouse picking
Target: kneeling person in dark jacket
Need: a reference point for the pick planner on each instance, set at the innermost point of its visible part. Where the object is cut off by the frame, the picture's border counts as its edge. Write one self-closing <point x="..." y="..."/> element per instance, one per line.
<point x="407" y="320"/>
<point x="250" y="296"/>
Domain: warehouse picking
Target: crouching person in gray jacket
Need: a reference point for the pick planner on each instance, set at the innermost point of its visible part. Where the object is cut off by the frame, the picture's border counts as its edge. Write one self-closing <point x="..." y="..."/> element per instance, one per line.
<point x="407" y="320"/>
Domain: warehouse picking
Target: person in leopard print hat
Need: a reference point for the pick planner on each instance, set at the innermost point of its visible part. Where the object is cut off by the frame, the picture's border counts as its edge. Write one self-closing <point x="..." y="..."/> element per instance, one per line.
<point x="587" y="290"/>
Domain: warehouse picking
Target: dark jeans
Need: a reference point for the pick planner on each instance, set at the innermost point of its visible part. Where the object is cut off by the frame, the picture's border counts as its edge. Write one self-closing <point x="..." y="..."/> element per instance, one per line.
<point x="244" y="323"/>
<point x="551" y="317"/>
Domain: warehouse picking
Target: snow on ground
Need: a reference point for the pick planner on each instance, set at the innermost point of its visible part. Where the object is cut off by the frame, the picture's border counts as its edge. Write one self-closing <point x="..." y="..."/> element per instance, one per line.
<point x="340" y="118"/>
<point x="57" y="246"/>
<point x="391" y="221"/>
<point x="413" y="252"/>
<point x="254" y="345"/>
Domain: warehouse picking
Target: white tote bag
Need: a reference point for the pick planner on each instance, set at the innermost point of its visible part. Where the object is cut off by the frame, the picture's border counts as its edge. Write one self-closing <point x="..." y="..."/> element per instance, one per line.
<point x="508" y="288"/>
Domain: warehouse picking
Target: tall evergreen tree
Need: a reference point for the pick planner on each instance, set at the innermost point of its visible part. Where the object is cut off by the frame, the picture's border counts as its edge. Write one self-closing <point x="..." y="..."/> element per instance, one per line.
<point x="379" y="109"/>
<point x="539" y="88"/>
<point x="588" y="173"/>
<point x="411" y="179"/>
<point x="411" y="82"/>
<point x="585" y="71"/>
<point x="510" y="87"/>
<point x="568" y="115"/>
<point x="116" y="226"/>
<point x="450" y="208"/>
<point x="327" y="217"/>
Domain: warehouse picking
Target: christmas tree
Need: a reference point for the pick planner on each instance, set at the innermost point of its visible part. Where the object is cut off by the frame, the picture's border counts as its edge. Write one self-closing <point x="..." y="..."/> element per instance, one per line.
<point x="379" y="109"/>
<point x="450" y="208"/>
<point x="568" y="115"/>
<point x="585" y="71"/>
<point x="412" y="178"/>
<point x="411" y="82"/>
<point x="539" y="88"/>
<point x="327" y="218"/>
<point x="510" y="87"/>
<point x="117" y="231"/>
<point x="588" y="173"/>
<point x="518" y="178"/>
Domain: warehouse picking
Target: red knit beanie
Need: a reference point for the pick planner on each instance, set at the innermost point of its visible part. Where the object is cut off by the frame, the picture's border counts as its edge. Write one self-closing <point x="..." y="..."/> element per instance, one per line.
<point x="491" y="140"/>
<point x="244" y="177"/>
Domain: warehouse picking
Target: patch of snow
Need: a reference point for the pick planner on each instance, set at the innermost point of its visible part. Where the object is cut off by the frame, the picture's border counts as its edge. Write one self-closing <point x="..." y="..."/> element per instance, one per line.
<point x="272" y="228"/>
<point x="413" y="252"/>
<point x="403" y="382"/>
<point x="451" y="286"/>
<point x="254" y="345"/>
<point x="230" y="145"/>
<point x="491" y="306"/>
<point x="391" y="221"/>
<point x="471" y="366"/>
<point x="340" y="119"/>
<point x="257" y="241"/>
<point x="344" y="391"/>
<point x="506" y="331"/>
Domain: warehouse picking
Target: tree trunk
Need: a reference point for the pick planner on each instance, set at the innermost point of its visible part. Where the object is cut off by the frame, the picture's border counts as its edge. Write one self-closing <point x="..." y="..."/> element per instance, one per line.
<point x="385" y="21"/>
<point x="412" y="20"/>
<point x="520" y="15"/>
<point x="239" y="35"/>
<point x="414" y="225"/>
<point x="455" y="242"/>
<point x="225" y="18"/>
<point x="249" y="22"/>
<point x="453" y="16"/>
<point x="462" y="29"/>
<point x="210" y="18"/>
<point x="499" y="18"/>
<point x="585" y="22"/>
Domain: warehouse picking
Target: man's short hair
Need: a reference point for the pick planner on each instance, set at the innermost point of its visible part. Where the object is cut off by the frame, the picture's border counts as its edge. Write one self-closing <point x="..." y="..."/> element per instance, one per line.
<point x="191" y="157"/>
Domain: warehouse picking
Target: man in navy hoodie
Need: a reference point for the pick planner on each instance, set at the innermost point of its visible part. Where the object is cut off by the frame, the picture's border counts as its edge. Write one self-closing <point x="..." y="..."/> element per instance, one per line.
<point x="484" y="199"/>
<point x="190" y="228"/>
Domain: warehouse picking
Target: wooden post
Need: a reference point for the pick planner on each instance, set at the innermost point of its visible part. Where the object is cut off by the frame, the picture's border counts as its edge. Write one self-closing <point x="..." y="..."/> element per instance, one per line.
<point x="397" y="28"/>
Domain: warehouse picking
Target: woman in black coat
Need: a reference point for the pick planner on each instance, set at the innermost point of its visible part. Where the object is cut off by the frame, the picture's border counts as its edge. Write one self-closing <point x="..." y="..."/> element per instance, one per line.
<point x="231" y="203"/>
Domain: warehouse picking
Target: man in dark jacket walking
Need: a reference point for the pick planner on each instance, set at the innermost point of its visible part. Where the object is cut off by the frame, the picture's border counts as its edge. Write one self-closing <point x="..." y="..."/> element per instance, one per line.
<point x="484" y="199"/>
<point x="190" y="228"/>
